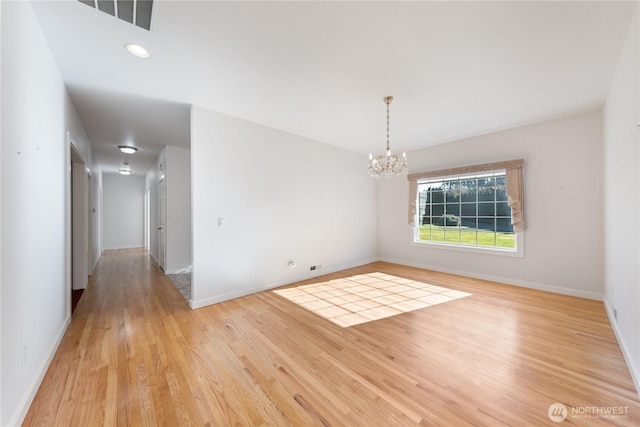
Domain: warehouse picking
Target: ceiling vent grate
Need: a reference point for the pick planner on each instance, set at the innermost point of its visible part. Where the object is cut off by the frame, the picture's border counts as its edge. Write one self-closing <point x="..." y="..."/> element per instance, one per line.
<point x="137" y="12"/>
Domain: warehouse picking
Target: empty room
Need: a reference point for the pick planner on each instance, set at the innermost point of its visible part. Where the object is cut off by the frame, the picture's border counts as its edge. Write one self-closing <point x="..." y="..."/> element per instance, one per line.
<point x="319" y="213"/>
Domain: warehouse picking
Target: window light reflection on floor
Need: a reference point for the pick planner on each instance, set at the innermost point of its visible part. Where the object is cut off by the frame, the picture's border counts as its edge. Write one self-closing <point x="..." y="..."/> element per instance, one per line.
<point x="366" y="297"/>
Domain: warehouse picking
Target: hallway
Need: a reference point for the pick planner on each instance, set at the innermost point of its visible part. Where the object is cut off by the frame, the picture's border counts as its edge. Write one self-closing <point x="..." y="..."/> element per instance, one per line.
<point x="136" y="354"/>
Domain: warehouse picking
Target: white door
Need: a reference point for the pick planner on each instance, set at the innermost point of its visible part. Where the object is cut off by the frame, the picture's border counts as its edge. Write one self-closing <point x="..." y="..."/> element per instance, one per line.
<point x="161" y="223"/>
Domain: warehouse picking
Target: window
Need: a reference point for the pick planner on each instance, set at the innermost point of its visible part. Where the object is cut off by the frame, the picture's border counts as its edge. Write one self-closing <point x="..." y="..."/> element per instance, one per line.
<point x="468" y="210"/>
<point x="471" y="208"/>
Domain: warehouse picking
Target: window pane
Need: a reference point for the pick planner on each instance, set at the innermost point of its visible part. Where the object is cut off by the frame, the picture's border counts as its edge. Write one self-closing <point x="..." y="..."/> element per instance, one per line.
<point x="469" y="184"/>
<point x="486" y="238"/>
<point x="452" y="235"/>
<point x="468" y="236"/>
<point x="501" y="181"/>
<point x="468" y="190"/>
<point x="501" y="194"/>
<point x="437" y="210"/>
<point x="469" y="209"/>
<point x="452" y="194"/>
<point x="486" y="182"/>
<point x="425" y="232"/>
<point x="453" y="209"/>
<point x="506" y="240"/>
<point x="486" y="194"/>
<point x="469" y="222"/>
<point x="437" y="195"/>
<point x="487" y="224"/>
<point x="437" y="233"/>
<point x="503" y="209"/>
<point x="486" y="209"/>
<point x="504" y="225"/>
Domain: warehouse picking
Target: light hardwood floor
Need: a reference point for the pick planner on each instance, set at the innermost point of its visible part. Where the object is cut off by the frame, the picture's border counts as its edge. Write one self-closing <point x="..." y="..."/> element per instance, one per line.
<point x="136" y="354"/>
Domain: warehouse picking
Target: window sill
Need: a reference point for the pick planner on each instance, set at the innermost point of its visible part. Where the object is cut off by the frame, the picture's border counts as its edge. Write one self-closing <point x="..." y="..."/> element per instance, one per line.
<point x="518" y="253"/>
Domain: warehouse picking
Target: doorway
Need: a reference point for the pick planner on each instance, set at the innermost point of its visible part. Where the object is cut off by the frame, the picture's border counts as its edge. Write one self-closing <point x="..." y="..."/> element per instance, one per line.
<point x="81" y="224"/>
<point x="147" y="220"/>
<point x="161" y="222"/>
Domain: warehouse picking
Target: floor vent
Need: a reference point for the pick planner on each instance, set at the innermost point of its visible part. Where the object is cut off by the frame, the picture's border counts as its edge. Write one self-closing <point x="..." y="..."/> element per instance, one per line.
<point x="137" y="12"/>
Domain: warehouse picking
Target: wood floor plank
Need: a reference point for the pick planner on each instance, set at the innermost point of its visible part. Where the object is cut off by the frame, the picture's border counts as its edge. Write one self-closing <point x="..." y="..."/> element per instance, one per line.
<point x="135" y="354"/>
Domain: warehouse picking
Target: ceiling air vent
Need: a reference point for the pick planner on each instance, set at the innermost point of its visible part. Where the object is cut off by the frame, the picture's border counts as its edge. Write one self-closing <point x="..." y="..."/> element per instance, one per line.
<point x="137" y="12"/>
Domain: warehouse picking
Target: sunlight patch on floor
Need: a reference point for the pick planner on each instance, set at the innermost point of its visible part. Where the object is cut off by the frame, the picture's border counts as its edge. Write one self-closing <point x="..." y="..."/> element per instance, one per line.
<point x="367" y="297"/>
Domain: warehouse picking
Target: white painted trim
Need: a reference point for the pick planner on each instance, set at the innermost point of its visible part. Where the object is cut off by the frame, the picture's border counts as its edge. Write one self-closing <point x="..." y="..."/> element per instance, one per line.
<point x="244" y="292"/>
<point x="635" y="375"/>
<point x="521" y="283"/>
<point x="154" y="258"/>
<point x="24" y="406"/>
<point x="181" y="270"/>
<point x="93" y="267"/>
<point x="525" y="284"/>
<point x="123" y="247"/>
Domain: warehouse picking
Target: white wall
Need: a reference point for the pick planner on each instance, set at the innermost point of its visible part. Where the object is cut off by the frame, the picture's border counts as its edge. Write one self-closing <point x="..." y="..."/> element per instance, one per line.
<point x="178" y="209"/>
<point x="123" y="210"/>
<point x="622" y="199"/>
<point x="563" y="169"/>
<point x="35" y="116"/>
<point x="283" y="197"/>
<point x="1" y="135"/>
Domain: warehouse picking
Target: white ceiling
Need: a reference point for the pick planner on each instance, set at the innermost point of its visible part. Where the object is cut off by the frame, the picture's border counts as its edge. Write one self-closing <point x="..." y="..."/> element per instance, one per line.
<point x="321" y="69"/>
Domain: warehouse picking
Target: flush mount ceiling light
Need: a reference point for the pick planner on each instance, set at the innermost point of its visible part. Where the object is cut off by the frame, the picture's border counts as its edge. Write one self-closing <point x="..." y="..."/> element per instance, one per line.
<point x="137" y="50"/>
<point x="125" y="169"/>
<point x="388" y="164"/>
<point x="127" y="149"/>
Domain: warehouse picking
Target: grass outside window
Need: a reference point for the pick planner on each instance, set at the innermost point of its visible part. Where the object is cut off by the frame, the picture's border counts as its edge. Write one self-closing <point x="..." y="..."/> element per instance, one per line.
<point x="466" y="236"/>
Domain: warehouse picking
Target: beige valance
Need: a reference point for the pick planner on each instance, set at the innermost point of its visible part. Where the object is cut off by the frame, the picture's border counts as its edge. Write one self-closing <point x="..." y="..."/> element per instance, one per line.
<point x="510" y="164"/>
<point x="513" y="177"/>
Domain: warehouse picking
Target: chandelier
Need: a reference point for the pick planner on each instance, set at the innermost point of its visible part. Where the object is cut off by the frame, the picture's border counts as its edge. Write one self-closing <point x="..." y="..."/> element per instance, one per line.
<point x="388" y="164"/>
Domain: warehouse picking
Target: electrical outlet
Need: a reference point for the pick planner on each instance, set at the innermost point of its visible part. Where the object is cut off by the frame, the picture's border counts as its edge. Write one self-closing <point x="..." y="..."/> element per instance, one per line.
<point x="315" y="267"/>
<point x="23" y="356"/>
<point x="615" y="313"/>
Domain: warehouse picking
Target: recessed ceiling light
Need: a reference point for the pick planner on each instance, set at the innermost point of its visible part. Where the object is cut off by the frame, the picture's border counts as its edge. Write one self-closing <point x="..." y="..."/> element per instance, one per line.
<point x="137" y="50"/>
<point x="125" y="171"/>
<point x="127" y="149"/>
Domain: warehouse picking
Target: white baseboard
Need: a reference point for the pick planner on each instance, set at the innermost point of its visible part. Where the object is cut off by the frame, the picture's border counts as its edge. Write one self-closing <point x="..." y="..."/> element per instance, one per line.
<point x="635" y="375"/>
<point x="24" y="406"/>
<point x="195" y="304"/>
<point x="179" y="270"/>
<point x="116" y="248"/>
<point x="153" y="256"/>
<point x="93" y="267"/>
<point x="503" y="280"/>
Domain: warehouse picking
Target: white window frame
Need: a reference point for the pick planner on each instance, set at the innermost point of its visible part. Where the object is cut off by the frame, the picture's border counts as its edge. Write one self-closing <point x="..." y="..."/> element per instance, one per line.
<point x="518" y="251"/>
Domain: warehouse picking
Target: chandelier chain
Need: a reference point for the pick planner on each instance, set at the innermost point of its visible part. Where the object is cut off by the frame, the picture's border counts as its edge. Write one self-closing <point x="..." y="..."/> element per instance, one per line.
<point x="388" y="115"/>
